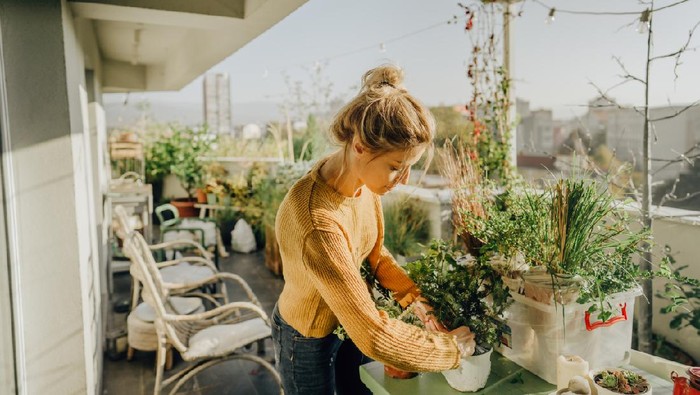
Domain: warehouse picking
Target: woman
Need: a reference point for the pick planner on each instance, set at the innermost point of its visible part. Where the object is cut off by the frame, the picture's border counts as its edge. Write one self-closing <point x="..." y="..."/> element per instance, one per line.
<point x="329" y="222"/>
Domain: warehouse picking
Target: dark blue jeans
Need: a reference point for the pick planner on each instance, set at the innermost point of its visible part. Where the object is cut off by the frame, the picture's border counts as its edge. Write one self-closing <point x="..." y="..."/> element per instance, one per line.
<point x="316" y="366"/>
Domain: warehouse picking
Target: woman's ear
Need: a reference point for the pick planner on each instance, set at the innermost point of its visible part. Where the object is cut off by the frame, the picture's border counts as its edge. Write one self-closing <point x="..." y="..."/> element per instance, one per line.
<point x="357" y="147"/>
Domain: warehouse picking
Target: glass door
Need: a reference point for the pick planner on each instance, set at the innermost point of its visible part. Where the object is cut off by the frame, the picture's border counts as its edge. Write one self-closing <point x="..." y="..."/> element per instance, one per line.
<point x="7" y="351"/>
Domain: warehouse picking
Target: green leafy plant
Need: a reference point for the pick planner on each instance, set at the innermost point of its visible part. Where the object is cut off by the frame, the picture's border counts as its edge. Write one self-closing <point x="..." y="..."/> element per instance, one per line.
<point x="577" y="232"/>
<point x="406" y="227"/>
<point x="462" y="291"/>
<point x="682" y="294"/>
<point x="176" y="151"/>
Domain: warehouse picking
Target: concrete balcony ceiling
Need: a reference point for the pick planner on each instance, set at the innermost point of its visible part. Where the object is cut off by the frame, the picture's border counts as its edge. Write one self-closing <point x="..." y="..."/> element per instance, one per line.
<point x="158" y="45"/>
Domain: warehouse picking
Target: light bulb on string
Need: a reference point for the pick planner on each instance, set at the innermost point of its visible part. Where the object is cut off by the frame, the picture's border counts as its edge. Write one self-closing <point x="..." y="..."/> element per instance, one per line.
<point x="382" y="48"/>
<point x="266" y="72"/>
<point x="643" y="26"/>
<point x="550" y="16"/>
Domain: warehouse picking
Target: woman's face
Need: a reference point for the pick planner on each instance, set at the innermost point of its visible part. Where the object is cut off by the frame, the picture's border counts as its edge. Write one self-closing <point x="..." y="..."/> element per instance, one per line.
<point x="382" y="172"/>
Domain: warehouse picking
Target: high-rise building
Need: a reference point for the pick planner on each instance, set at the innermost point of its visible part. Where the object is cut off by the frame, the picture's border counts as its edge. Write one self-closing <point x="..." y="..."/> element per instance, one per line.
<point x="535" y="132"/>
<point x="217" y="103"/>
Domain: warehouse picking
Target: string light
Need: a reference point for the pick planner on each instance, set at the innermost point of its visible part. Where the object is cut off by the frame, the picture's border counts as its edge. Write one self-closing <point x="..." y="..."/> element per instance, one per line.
<point x="577" y="12"/>
<point x="382" y="47"/>
<point x="550" y="17"/>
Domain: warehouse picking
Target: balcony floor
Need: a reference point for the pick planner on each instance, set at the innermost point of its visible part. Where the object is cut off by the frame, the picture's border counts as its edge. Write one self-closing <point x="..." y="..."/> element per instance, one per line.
<point x="121" y="377"/>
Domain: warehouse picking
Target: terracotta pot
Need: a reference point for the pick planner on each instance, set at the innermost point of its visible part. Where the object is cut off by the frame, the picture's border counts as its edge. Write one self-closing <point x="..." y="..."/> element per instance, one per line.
<point x="185" y="207"/>
<point x="398" y="373"/>
<point x="201" y="196"/>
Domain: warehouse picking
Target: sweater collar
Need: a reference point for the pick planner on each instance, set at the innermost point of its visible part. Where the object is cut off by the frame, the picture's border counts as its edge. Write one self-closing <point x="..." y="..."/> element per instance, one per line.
<point x="315" y="174"/>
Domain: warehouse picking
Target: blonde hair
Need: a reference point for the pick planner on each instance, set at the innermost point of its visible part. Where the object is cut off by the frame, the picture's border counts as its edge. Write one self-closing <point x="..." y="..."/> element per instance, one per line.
<point x="384" y="116"/>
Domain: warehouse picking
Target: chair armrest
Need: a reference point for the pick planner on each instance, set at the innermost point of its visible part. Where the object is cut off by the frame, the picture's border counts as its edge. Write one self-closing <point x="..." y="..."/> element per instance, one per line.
<point x="195" y="260"/>
<point x="181" y="242"/>
<point x="218" y="314"/>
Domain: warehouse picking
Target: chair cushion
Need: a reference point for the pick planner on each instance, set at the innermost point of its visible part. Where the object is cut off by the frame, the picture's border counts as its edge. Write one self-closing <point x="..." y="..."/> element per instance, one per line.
<point x="185" y="273"/>
<point x="182" y="305"/>
<point x="218" y="340"/>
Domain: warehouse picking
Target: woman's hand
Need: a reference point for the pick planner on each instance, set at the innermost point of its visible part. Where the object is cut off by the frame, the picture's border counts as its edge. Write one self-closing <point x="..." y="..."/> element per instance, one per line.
<point x="465" y="340"/>
<point x="463" y="335"/>
<point x="423" y="311"/>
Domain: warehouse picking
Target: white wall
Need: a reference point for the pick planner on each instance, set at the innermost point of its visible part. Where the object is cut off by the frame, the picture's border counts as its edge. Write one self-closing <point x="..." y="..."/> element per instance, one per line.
<point x="52" y="242"/>
<point x="682" y="234"/>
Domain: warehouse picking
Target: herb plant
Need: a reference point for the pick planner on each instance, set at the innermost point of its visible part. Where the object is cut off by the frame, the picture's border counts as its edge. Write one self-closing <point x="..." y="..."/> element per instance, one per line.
<point x="461" y="291"/>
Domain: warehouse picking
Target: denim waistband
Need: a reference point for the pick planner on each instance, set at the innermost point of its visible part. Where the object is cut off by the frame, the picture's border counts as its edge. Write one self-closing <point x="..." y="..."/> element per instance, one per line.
<point x="277" y="319"/>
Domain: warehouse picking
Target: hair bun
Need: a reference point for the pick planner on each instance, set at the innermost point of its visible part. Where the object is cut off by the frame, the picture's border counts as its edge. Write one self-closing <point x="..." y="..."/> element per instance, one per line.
<point x="385" y="75"/>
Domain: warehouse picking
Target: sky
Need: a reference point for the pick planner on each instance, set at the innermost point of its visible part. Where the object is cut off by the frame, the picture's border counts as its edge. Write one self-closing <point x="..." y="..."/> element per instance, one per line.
<point x="554" y="65"/>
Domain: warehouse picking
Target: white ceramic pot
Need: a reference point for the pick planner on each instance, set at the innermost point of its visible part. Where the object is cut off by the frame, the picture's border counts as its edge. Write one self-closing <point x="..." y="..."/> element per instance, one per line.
<point x="598" y="390"/>
<point x="472" y="373"/>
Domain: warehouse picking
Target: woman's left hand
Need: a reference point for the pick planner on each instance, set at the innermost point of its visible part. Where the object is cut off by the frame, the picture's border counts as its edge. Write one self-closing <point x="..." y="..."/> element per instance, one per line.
<point x="423" y="311"/>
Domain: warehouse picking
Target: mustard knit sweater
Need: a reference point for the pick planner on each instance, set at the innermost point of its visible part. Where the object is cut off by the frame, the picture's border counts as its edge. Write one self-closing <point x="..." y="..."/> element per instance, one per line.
<point x="323" y="238"/>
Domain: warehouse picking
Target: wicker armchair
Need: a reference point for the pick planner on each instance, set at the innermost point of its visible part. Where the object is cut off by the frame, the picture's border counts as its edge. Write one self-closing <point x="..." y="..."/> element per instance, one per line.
<point x="181" y="275"/>
<point x="203" y="338"/>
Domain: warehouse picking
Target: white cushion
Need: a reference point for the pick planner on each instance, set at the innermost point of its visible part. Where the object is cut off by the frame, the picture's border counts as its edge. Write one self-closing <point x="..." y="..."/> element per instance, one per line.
<point x="184" y="306"/>
<point x="185" y="273"/>
<point x="220" y="340"/>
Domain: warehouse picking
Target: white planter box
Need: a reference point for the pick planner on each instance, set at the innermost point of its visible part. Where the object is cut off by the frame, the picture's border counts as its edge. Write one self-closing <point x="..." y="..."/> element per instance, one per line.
<point x="535" y="334"/>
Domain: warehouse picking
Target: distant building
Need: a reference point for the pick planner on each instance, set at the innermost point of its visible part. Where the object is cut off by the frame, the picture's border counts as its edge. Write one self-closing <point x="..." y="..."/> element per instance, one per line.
<point x="535" y="131"/>
<point x="623" y="131"/>
<point x="217" y="103"/>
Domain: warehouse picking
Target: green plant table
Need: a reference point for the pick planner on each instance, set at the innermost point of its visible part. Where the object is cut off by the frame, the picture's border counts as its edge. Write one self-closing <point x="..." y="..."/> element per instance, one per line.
<point x="507" y="378"/>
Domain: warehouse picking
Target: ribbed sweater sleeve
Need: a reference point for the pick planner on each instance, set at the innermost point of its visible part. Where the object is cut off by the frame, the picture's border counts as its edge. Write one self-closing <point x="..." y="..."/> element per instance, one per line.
<point x="385" y="268"/>
<point x="328" y="261"/>
<point x="394" y="278"/>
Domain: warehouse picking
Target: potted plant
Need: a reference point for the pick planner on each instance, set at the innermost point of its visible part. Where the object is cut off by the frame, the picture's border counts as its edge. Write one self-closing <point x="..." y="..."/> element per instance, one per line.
<point x="569" y="250"/>
<point x="176" y="150"/>
<point x="619" y="381"/>
<point x="467" y="291"/>
<point x="189" y="144"/>
<point x="212" y="189"/>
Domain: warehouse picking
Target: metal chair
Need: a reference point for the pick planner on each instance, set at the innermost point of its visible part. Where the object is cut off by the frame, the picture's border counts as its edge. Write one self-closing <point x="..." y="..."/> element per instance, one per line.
<point x="203" y="230"/>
